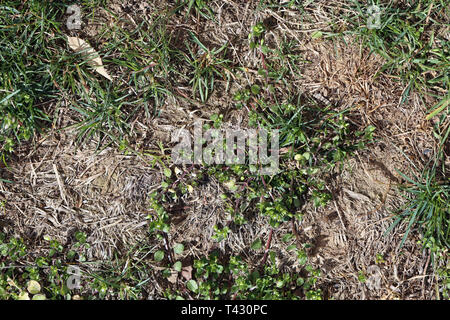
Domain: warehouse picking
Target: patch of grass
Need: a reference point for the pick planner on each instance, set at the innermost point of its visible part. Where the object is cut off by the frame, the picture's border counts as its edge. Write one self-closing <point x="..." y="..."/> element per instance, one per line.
<point x="38" y="72"/>
<point x="411" y="39"/>
<point x="199" y="7"/>
<point x="429" y="208"/>
<point x="144" y="60"/>
<point x="148" y="60"/>
<point x="28" y="58"/>
<point x="429" y="204"/>
<point x="208" y="65"/>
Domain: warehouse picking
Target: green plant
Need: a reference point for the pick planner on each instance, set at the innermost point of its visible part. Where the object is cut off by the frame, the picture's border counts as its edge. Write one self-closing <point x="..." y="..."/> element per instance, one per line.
<point x="220" y="234"/>
<point x="207" y="65"/>
<point x="429" y="207"/>
<point x="379" y="259"/>
<point x="233" y="278"/>
<point x="28" y="59"/>
<point x="444" y="277"/>
<point x="409" y="39"/>
<point x="362" y="276"/>
<point x="18" y="281"/>
<point x="159" y="222"/>
<point x="313" y="148"/>
<point x="199" y="6"/>
<point x="428" y="196"/>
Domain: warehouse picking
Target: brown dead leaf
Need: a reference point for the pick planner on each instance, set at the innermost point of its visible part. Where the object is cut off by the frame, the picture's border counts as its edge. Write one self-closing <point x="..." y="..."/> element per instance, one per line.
<point x="173" y="277"/>
<point x="186" y="273"/>
<point x="91" y="56"/>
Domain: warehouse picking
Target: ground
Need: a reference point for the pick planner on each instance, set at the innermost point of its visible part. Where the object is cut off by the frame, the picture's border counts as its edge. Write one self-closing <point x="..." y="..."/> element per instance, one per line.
<point x="103" y="189"/>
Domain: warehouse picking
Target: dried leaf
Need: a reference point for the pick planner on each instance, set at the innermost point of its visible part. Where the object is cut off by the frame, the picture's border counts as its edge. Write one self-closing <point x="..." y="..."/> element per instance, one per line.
<point x="173" y="277"/>
<point x="92" y="57"/>
<point x="357" y="196"/>
<point x="186" y="272"/>
<point x="23" y="296"/>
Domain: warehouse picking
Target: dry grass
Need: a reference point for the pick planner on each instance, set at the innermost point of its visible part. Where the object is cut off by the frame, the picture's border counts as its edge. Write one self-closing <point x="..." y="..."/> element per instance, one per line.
<point x="61" y="188"/>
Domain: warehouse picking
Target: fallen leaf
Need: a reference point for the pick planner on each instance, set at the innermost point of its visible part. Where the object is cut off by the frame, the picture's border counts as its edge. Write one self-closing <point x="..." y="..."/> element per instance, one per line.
<point x="23" y="296"/>
<point x="186" y="273"/>
<point x="173" y="277"/>
<point x="92" y="57"/>
<point x="357" y="196"/>
<point x="33" y="287"/>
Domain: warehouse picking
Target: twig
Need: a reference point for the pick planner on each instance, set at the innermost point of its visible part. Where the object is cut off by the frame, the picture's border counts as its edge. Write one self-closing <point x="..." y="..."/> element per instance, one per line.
<point x="294" y="231"/>
<point x="424" y="273"/>
<point x="60" y="185"/>
<point x="266" y="252"/>
<point x="167" y="246"/>
<point x="340" y="219"/>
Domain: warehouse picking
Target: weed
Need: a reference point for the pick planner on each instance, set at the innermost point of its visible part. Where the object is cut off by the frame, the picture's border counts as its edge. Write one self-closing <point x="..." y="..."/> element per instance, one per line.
<point x="429" y="208"/>
<point x="207" y="65"/>
<point x="27" y="62"/>
<point x="233" y="279"/>
<point x="410" y="41"/>
<point x="200" y="7"/>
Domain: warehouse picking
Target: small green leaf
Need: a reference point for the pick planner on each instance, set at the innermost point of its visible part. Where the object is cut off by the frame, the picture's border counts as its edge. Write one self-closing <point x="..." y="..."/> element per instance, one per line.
<point x="257" y="244"/>
<point x="23" y="296"/>
<point x="71" y="254"/>
<point x="254" y="276"/>
<point x="178" y="248"/>
<point x="39" y="297"/>
<point x="159" y="255"/>
<point x="178" y="266"/>
<point x="291" y="247"/>
<point x="287" y="237"/>
<point x="317" y="35"/>
<point x="438" y="108"/>
<point x="192" y="285"/>
<point x="302" y="258"/>
<point x="256" y="89"/>
<point x="167" y="172"/>
<point x="33" y="287"/>
<point x="231" y="185"/>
